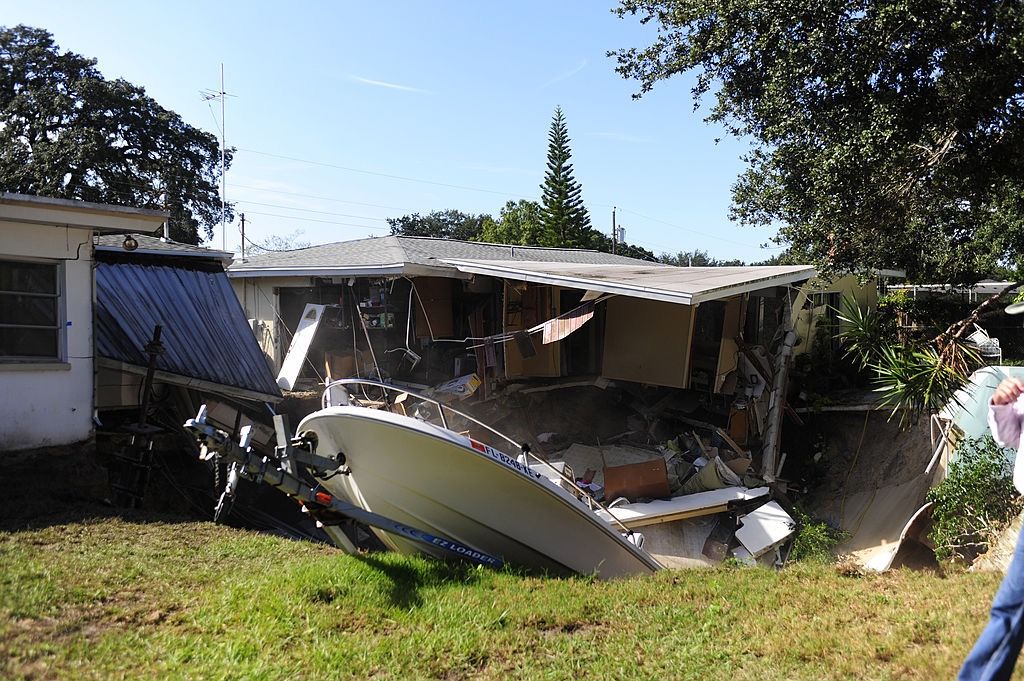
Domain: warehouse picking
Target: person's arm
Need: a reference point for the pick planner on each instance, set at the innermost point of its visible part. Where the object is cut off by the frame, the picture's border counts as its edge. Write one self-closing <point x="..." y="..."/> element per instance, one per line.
<point x="1006" y="412"/>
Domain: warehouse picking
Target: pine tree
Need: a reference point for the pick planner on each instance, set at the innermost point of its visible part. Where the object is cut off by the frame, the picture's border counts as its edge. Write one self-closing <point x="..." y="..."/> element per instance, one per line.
<point x="565" y="219"/>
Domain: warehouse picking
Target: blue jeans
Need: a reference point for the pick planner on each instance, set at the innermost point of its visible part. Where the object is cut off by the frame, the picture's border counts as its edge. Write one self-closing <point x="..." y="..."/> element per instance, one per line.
<point x="995" y="653"/>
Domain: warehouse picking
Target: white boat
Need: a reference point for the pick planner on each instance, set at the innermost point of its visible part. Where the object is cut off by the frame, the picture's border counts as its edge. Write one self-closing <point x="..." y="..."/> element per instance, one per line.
<point x="445" y="483"/>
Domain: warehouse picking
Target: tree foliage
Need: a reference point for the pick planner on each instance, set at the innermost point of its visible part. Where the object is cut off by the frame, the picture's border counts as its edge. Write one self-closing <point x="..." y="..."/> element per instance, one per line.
<point x="560" y="220"/>
<point x="885" y="133"/>
<point x="974" y="501"/>
<point x="519" y="222"/>
<point x="566" y="220"/>
<point x="67" y="132"/>
<point x="441" y="224"/>
<point x="913" y="374"/>
<point x="696" y="258"/>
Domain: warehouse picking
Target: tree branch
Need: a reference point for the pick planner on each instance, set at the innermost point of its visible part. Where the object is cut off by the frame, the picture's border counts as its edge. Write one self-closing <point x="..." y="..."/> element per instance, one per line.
<point x="956" y="330"/>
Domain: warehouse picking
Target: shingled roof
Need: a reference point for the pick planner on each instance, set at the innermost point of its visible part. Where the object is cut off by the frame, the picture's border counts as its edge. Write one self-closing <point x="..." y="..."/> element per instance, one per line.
<point x="407" y="255"/>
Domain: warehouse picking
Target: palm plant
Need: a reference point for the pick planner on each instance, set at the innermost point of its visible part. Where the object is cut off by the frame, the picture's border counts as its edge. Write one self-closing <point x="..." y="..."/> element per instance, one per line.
<point x="913" y="377"/>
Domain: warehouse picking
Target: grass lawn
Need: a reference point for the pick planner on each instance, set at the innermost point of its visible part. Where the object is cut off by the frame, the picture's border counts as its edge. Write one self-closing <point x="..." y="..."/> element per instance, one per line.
<point x="143" y="597"/>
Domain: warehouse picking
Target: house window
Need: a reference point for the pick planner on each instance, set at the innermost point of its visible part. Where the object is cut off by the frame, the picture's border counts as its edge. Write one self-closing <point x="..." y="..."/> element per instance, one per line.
<point x="825" y="308"/>
<point x="30" y="312"/>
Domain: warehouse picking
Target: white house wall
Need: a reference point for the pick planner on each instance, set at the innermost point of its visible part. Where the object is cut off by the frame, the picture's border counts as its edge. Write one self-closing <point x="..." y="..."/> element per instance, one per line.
<point x="51" y="404"/>
<point x="262" y="308"/>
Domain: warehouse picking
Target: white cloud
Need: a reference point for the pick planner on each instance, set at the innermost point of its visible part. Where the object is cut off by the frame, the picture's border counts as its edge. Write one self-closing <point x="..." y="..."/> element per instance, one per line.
<point x="391" y="86"/>
<point x="567" y="75"/>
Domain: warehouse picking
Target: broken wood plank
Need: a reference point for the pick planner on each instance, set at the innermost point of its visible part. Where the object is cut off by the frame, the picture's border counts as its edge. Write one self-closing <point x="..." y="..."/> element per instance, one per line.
<point x="559" y="386"/>
<point x="703" y="425"/>
<point x="755" y="360"/>
<point x="756" y="407"/>
<point x="700" y="444"/>
<point x="732" y="443"/>
<point x="794" y="415"/>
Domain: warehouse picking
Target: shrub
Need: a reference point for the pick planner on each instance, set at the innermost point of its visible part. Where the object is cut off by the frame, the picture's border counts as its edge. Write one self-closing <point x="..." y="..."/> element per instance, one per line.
<point x="974" y="501"/>
<point x="816" y="540"/>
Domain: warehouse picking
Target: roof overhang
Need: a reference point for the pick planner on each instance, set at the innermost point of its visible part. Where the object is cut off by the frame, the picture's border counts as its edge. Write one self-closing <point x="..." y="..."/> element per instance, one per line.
<point x="98" y="217"/>
<point x="680" y="285"/>
<point x="222" y="257"/>
<point x="189" y="382"/>
<point x="399" y="269"/>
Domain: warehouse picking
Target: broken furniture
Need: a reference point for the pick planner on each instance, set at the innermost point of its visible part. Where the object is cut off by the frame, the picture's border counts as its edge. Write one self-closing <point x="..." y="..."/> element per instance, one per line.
<point x="647" y="479"/>
<point x="987" y="346"/>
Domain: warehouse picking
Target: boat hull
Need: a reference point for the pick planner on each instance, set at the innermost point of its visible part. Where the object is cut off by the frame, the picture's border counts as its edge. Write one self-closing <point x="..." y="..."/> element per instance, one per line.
<point x="444" y="483"/>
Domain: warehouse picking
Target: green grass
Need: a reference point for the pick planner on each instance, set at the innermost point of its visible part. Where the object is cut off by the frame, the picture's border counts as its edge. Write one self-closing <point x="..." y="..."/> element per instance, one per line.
<point x="118" y="598"/>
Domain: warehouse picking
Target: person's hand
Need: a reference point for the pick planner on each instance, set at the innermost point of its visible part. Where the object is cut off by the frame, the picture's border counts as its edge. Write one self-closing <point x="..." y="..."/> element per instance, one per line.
<point x="1008" y="391"/>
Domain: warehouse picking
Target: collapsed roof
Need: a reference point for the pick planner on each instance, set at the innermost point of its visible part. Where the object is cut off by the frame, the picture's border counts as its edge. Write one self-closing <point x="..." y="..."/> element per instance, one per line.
<point x="567" y="267"/>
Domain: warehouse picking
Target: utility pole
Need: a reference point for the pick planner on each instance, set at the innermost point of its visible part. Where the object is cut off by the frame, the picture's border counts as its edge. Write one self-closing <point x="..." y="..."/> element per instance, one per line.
<point x="242" y="217"/>
<point x="615" y="232"/>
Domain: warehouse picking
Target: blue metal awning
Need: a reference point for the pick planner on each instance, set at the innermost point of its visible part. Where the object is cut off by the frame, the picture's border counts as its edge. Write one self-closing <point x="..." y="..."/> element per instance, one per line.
<point x="207" y="340"/>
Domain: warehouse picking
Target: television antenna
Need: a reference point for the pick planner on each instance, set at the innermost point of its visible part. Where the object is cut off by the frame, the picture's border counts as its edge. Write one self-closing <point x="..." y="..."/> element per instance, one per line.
<point x="209" y="95"/>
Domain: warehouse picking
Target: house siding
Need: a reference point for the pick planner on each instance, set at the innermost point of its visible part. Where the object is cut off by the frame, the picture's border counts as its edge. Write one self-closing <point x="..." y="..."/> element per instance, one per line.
<point x="47" y="404"/>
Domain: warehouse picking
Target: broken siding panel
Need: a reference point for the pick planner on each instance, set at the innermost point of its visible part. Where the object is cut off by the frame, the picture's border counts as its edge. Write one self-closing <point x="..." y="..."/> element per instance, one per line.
<point x="648" y="341"/>
<point x="309" y="324"/>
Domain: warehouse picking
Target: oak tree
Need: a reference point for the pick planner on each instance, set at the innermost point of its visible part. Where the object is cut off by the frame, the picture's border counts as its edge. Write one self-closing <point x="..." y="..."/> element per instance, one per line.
<point x="68" y="132"/>
<point x="441" y="224"/>
<point x="884" y="133"/>
<point x="519" y="222"/>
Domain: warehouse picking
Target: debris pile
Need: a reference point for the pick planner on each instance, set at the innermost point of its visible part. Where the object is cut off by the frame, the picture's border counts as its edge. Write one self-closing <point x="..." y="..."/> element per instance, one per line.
<point x="695" y="494"/>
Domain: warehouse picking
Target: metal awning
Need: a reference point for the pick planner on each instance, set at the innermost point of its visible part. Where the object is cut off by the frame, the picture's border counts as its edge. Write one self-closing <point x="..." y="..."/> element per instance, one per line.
<point x="681" y="285"/>
<point x="207" y="341"/>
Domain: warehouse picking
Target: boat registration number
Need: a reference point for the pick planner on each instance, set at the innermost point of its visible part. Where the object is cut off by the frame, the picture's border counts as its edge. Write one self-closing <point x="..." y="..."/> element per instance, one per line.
<point x="504" y="459"/>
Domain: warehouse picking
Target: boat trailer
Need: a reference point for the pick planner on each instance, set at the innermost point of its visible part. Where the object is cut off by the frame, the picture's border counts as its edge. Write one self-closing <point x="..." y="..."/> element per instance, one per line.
<point x="280" y="472"/>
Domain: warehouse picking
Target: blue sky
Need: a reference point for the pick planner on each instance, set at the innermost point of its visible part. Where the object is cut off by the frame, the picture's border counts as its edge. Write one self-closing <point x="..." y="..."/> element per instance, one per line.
<point x="345" y="113"/>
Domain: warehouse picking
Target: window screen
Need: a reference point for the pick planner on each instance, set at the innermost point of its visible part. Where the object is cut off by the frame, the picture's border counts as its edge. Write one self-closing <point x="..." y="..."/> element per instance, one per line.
<point x="30" y="320"/>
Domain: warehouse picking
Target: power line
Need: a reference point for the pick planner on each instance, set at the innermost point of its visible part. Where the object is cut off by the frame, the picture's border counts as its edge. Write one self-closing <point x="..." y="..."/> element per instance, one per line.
<point x="321" y="198"/>
<point x="326" y="222"/>
<point x="695" y="231"/>
<point x="366" y="217"/>
<point x="488" y="191"/>
<point x="377" y="174"/>
<point x="310" y="210"/>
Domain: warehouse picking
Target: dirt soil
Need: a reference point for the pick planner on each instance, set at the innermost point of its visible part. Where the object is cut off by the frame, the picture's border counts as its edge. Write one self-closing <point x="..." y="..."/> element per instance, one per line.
<point x="41" y="485"/>
<point x="585" y="415"/>
<point x="860" y="452"/>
